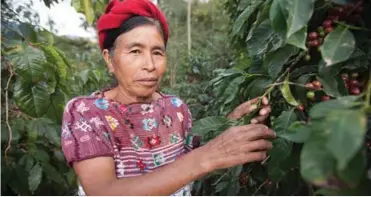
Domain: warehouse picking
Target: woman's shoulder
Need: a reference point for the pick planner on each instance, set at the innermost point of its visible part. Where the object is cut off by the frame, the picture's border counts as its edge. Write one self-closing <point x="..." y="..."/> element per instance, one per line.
<point x="80" y="103"/>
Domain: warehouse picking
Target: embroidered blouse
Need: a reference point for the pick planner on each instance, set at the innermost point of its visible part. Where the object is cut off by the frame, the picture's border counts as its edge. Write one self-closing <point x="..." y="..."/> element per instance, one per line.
<point x="140" y="137"/>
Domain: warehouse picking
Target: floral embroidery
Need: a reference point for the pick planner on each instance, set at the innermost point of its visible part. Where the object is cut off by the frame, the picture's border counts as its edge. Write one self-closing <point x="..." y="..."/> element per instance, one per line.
<point x="154" y="141"/>
<point x="149" y="124"/>
<point x="189" y="140"/>
<point x="83" y="126"/>
<point x="113" y="123"/>
<point x="175" y="138"/>
<point x="146" y="108"/>
<point x="141" y="164"/>
<point x="66" y="132"/>
<point x="82" y="108"/>
<point x="176" y="102"/>
<point x="158" y="159"/>
<point x="101" y="103"/>
<point x="167" y="121"/>
<point x="123" y="108"/>
<point x="180" y="116"/>
<point x="67" y="143"/>
<point x="97" y="121"/>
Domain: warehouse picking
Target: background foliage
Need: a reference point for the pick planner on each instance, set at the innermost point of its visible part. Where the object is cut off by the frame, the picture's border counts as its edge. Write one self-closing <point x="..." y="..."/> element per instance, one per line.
<point x="315" y="73"/>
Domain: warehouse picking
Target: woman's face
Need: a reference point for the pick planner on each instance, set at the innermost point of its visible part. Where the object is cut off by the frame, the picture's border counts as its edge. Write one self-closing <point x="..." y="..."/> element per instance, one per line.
<point x="139" y="60"/>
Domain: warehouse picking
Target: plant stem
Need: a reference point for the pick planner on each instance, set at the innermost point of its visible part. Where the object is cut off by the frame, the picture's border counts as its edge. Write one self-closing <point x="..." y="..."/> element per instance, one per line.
<point x="260" y="186"/>
<point x="7" y="115"/>
<point x="351" y="26"/>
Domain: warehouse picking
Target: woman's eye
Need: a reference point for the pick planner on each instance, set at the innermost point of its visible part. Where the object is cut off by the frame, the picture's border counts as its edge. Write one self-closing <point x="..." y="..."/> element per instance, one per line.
<point x="157" y="53"/>
<point x="135" y="51"/>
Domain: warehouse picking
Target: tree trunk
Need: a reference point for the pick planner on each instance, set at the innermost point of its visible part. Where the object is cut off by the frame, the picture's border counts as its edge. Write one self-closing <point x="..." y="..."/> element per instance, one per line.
<point x="189" y="27"/>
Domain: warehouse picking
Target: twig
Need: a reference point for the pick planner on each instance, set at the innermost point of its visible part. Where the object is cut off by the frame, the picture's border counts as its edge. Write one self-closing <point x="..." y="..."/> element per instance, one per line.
<point x="7" y="115"/>
<point x="260" y="186"/>
<point x="291" y="83"/>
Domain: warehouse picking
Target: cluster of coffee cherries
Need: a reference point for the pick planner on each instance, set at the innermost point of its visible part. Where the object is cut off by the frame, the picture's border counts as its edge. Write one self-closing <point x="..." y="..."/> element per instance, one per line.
<point x="348" y="13"/>
<point x="353" y="83"/>
<point x="244" y="178"/>
<point x="311" y="94"/>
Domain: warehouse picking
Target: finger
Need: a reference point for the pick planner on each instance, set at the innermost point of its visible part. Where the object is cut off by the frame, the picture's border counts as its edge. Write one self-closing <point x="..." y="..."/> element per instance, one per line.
<point x="244" y="108"/>
<point x="259" y="134"/>
<point x="249" y="127"/>
<point x="265" y="101"/>
<point x="257" y="145"/>
<point x="259" y="119"/>
<point x="265" y="110"/>
<point x="255" y="156"/>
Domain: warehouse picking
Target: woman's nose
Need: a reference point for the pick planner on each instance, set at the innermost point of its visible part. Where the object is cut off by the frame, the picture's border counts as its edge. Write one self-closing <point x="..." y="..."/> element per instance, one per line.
<point x="149" y="64"/>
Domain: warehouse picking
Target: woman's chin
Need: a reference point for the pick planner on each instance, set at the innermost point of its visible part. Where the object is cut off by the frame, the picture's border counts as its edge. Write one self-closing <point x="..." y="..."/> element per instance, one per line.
<point x="146" y="92"/>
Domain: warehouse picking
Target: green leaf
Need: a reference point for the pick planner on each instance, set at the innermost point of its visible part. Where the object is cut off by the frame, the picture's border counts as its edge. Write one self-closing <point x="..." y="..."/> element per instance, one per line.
<point x="277" y="16"/>
<point x="320" y="110"/>
<point x="282" y="123"/>
<point x="275" y="60"/>
<point x="213" y="123"/>
<point x="354" y="171"/>
<point x="77" y="4"/>
<point x="330" y="85"/>
<point x="286" y="92"/>
<point x="54" y="58"/>
<point x="316" y="162"/>
<point x="33" y="99"/>
<point x="27" y="32"/>
<point x="221" y="186"/>
<point x="299" y="13"/>
<point x="257" y="87"/>
<point x="297" y="132"/>
<point x="88" y="11"/>
<point x="338" y="46"/>
<point x="347" y="130"/>
<point x="280" y="151"/>
<point x="34" y="179"/>
<point x="28" y="62"/>
<point x="52" y="173"/>
<point x="260" y="39"/>
<point x="299" y="38"/>
<point x="231" y="91"/>
<point x="244" y="16"/>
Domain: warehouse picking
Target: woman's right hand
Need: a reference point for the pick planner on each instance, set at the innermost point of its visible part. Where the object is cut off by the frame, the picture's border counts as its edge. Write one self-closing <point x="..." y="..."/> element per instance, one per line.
<point x="237" y="145"/>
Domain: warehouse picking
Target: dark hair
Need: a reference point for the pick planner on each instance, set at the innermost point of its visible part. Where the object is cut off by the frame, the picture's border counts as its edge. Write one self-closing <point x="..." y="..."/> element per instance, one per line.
<point x="128" y="25"/>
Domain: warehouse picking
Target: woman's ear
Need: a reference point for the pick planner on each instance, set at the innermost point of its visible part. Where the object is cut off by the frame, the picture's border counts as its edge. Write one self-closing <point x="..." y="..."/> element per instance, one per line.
<point x="108" y="59"/>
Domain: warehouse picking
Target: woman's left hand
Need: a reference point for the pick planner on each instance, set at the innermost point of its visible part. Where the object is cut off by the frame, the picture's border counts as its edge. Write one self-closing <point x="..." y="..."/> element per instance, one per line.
<point x="250" y="106"/>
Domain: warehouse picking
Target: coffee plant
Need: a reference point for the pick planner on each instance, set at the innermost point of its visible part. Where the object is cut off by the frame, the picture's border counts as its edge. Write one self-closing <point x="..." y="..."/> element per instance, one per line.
<point x="37" y="80"/>
<point x="312" y="60"/>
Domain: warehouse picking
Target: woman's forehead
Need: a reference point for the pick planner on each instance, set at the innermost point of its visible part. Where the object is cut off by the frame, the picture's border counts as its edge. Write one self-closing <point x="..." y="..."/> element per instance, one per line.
<point x="141" y="36"/>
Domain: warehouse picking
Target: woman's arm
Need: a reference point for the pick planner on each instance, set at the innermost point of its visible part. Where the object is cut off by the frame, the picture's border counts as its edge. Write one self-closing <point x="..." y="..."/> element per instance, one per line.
<point x="236" y="145"/>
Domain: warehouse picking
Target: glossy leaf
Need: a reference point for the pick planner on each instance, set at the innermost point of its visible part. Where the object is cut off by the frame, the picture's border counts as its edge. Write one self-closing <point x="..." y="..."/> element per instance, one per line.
<point x="277" y="16"/>
<point x="320" y="110"/>
<point x="244" y="16"/>
<point x="28" y="62"/>
<point x="299" y="13"/>
<point x="347" y="130"/>
<point x="316" y="162"/>
<point x="299" y="38"/>
<point x="354" y="171"/>
<point x="257" y="87"/>
<point x="260" y="39"/>
<point x="275" y="60"/>
<point x="32" y="99"/>
<point x="214" y="123"/>
<point x="34" y="179"/>
<point x="280" y="151"/>
<point x="283" y="122"/>
<point x="88" y="11"/>
<point x="54" y="58"/>
<point x="231" y="91"/>
<point x="338" y="46"/>
<point x="297" y="132"/>
<point x="286" y="93"/>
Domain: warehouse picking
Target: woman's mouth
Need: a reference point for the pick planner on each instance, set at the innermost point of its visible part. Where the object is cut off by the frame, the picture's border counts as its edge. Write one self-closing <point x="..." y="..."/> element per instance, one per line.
<point x="148" y="81"/>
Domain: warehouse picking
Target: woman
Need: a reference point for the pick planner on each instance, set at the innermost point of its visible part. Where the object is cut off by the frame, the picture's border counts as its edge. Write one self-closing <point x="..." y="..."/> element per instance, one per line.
<point x="115" y="137"/>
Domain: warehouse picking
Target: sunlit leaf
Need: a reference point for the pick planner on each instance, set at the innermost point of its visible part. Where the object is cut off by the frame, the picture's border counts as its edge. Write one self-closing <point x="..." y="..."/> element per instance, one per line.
<point x="338" y="46"/>
<point x="286" y="93"/>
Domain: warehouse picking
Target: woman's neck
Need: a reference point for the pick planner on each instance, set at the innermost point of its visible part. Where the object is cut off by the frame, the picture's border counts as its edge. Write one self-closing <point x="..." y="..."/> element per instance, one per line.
<point x="122" y="96"/>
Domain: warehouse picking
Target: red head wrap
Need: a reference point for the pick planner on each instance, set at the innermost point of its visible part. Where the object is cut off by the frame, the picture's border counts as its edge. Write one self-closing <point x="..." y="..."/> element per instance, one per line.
<point x="118" y="11"/>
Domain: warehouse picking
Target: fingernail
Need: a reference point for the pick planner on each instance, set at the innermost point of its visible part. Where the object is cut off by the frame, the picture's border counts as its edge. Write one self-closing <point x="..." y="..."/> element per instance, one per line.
<point x="253" y="107"/>
<point x="254" y="121"/>
<point x="263" y="112"/>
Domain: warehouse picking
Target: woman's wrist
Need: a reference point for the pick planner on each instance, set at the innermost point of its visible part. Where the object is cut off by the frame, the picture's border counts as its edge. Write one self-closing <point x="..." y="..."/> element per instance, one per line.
<point x="201" y="161"/>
